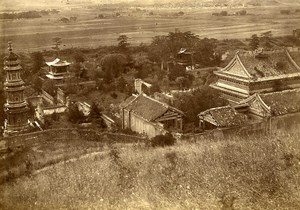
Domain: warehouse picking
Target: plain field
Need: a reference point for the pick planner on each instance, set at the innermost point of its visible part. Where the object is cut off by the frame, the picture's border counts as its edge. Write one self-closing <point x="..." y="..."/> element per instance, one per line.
<point x="87" y="31"/>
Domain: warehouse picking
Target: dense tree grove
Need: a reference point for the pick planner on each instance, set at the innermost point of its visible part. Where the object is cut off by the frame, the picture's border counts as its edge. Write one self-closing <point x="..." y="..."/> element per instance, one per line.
<point x="113" y="65"/>
<point x="197" y="101"/>
<point x="165" y="48"/>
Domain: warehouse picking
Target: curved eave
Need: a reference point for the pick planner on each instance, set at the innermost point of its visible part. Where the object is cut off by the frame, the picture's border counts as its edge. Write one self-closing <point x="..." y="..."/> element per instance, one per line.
<point x="13" y="68"/>
<point x="237" y="94"/>
<point x="14" y="88"/>
<point x="232" y="76"/>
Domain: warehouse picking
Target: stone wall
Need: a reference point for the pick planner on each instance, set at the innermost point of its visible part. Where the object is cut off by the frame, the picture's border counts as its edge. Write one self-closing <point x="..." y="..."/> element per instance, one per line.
<point x="47" y="97"/>
<point x="33" y="138"/>
<point x="285" y="123"/>
<point x="54" y="109"/>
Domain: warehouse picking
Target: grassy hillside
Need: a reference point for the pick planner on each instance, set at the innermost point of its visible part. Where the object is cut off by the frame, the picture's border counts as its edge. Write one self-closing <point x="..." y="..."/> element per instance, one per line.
<point x="253" y="173"/>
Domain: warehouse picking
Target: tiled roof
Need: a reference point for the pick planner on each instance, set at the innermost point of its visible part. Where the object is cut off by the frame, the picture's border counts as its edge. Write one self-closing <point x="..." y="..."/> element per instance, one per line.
<point x="58" y="62"/>
<point x="283" y="102"/>
<point x="148" y="108"/>
<point x="127" y="101"/>
<point x="226" y="116"/>
<point x="268" y="64"/>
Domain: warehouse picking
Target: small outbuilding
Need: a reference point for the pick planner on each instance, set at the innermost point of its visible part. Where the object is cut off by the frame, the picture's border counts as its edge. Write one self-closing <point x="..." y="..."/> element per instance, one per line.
<point x="150" y="117"/>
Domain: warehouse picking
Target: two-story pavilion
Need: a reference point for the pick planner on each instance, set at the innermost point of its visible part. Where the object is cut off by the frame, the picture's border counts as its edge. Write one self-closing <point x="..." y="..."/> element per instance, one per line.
<point x="58" y="69"/>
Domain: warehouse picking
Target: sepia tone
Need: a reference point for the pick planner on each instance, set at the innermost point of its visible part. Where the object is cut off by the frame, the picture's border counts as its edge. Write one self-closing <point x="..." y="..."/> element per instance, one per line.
<point x="147" y="104"/>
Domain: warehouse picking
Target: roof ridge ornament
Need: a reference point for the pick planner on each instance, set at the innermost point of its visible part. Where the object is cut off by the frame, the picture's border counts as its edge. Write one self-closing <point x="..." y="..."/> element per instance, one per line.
<point x="10" y="46"/>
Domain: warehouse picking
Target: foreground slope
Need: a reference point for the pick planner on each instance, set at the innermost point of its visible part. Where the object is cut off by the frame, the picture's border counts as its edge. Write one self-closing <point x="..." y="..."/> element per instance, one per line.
<point x="250" y="173"/>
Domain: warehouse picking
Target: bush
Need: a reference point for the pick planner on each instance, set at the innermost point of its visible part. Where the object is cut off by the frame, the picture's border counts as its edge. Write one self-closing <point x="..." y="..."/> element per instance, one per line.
<point x="285" y="12"/>
<point x="224" y="13"/>
<point x="114" y="95"/>
<point x="163" y="140"/>
<point x="74" y="115"/>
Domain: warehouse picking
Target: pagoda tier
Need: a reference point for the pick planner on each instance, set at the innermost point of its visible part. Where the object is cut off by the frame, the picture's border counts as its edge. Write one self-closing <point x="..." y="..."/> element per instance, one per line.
<point x="16" y="108"/>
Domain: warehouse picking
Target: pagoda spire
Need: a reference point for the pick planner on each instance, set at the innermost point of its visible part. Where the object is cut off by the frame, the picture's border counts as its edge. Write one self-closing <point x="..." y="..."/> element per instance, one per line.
<point x="16" y="108"/>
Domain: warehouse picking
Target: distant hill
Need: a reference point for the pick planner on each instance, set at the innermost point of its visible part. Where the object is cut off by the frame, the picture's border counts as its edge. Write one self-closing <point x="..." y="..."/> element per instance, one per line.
<point x="44" y="4"/>
<point x="217" y="2"/>
<point x="210" y="3"/>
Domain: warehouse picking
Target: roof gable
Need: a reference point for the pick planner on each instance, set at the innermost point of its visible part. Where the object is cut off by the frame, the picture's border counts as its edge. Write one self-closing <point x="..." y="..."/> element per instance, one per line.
<point x="149" y="108"/>
<point x="236" y="68"/>
<point x="257" y="106"/>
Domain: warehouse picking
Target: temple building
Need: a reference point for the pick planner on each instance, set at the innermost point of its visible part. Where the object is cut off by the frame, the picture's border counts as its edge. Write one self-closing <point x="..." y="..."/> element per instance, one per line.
<point x="16" y="108"/>
<point x="253" y="109"/>
<point x="258" y="72"/>
<point x="150" y="117"/>
<point x="58" y="69"/>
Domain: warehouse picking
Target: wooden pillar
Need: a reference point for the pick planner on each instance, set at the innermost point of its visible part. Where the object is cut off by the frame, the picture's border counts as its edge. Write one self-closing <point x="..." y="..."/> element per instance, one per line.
<point x="180" y="124"/>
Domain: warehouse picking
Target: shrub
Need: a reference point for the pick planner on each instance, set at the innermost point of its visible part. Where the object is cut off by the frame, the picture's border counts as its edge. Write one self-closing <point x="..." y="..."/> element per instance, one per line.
<point x="114" y="95"/>
<point x="285" y="12"/>
<point x="74" y="115"/>
<point x="224" y="13"/>
<point x="163" y="140"/>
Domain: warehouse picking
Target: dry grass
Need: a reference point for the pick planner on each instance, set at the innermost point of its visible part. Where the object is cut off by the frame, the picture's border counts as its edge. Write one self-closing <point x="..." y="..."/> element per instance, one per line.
<point x="260" y="173"/>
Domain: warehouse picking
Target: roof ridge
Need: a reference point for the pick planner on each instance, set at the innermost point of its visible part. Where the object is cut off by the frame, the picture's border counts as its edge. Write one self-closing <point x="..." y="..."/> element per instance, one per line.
<point x="283" y="91"/>
<point x="215" y="108"/>
<point x="164" y="104"/>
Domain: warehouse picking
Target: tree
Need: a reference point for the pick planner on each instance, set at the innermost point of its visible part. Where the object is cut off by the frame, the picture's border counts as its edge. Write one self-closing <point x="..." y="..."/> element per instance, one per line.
<point x="121" y="84"/>
<point x="179" y="40"/>
<point x="49" y="87"/>
<point x="38" y="61"/>
<point x="37" y="83"/>
<point x="182" y="82"/>
<point x="95" y="112"/>
<point x="242" y="12"/>
<point x="197" y="101"/>
<point x="113" y="65"/>
<point x="176" y="71"/>
<point x="123" y="42"/>
<point x="74" y="115"/>
<point x="76" y="69"/>
<point x="204" y="52"/>
<point x="57" y="43"/>
<point x="159" y="50"/>
<point x="95" y="116"/>
<point x="78" y="57"/>
<point x="223" y="13"/>
<point x="254" y="42"/>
